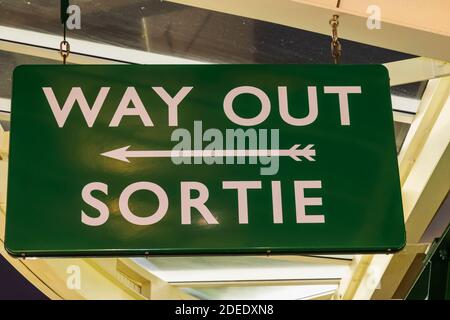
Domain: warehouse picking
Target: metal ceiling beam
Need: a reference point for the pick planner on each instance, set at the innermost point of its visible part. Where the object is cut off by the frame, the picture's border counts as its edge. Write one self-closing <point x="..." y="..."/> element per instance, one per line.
<point x="416" y="70"/>
<point x="416" y="27"/>
<point x="431" y="106"/>
<point x="349" y="283"/>
<point x="46" y="46"/>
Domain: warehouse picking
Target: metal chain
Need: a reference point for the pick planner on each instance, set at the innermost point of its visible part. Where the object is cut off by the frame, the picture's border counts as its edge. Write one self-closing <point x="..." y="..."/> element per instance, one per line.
<point x="336" y="48"/>
<point x="64" y="46"/>
<point x="64" y="50"/>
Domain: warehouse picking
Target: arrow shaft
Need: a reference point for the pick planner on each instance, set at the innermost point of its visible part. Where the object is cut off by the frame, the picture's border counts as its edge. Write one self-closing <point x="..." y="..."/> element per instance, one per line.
<point x="123" y="154"/>
<point x="206" y="153"/>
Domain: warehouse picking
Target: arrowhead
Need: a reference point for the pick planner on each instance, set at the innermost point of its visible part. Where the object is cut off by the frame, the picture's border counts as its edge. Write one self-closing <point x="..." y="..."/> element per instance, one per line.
<point x="293" y="152"/>
<point x="306" y="152"/>
<point x="309" y="153"/>
<point x="118" y="154"/>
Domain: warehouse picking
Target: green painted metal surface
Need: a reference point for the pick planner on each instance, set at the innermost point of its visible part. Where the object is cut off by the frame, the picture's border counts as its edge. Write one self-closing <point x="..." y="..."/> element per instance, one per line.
<point x="50" y="165"/>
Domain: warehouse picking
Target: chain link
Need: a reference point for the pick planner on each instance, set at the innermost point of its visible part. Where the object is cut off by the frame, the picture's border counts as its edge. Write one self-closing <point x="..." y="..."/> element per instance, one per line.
<point x="64" y="46"/>
<point x="64" y="50"/>
<point x="336" y="48"/>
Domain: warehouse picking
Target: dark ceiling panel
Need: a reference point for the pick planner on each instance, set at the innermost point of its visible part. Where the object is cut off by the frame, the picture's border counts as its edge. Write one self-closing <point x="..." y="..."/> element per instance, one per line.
<point x="15" y="286"/>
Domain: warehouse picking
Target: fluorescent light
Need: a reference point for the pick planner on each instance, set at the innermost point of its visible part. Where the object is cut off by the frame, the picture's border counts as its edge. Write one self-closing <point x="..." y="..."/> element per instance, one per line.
<point x="404" y="104"/>
<point x="263" y="292"/>
<point x="5" y="105"/>
<point x="217" y="269"/>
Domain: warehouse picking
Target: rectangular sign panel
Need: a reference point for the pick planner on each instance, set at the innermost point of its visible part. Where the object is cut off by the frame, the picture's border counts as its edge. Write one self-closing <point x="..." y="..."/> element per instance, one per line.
<point x="207" y="159"/>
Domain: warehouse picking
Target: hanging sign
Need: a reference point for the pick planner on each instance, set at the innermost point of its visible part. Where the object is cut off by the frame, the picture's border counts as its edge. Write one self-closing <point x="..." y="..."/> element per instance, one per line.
<point x="207" y="159"/>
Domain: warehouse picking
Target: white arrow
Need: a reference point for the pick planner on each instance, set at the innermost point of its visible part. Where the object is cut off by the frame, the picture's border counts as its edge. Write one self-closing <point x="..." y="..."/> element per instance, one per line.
<point x="123" y="153"/>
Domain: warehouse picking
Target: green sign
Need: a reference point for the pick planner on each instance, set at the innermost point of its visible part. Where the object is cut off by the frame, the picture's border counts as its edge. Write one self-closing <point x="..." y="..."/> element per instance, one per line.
<point x="202" y="159"/>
